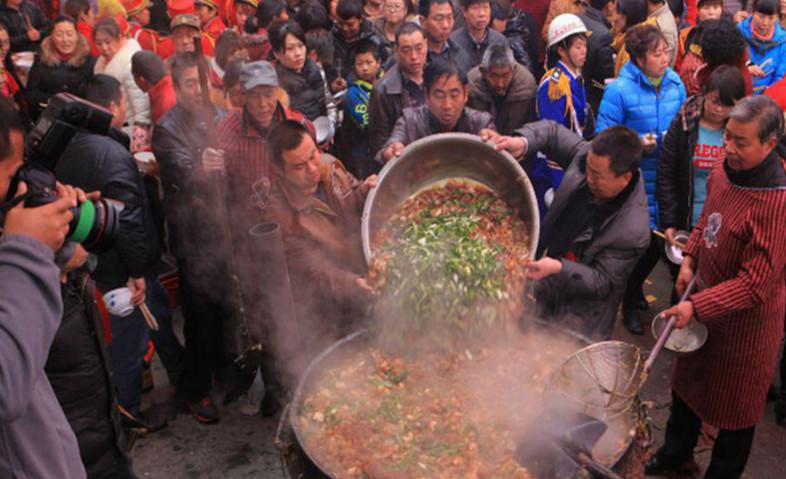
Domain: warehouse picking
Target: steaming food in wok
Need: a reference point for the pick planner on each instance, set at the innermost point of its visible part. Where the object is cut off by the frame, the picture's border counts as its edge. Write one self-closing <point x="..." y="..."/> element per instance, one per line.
<point x="451" y="260"/>
<point x="442" y="415"/>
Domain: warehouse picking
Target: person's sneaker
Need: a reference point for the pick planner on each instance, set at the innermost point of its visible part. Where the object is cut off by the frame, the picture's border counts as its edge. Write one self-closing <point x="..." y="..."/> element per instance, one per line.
<point x="204" y="410"/>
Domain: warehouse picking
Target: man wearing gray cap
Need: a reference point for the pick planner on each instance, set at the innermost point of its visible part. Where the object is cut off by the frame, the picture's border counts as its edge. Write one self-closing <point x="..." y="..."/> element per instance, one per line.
<point x="243" y="134"/>
<point x="243" y="138"/>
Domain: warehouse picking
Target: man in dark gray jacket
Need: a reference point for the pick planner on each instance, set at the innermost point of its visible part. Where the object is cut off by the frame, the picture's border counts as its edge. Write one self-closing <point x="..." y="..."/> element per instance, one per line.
<point x="597" y="226"/>
<point x="476" y="35"/>
<point x="445" y="110"/>
<point x="35" y="438"/>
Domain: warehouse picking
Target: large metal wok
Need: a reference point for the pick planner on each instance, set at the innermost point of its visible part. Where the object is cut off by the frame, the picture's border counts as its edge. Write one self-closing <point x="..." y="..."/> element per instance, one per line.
<point x="440" y="157"/>
<point x="297" y="462"/>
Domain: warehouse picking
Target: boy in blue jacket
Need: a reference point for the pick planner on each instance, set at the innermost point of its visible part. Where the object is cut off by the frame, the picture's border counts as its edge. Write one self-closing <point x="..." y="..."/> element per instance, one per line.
<point x="366" y="72"/>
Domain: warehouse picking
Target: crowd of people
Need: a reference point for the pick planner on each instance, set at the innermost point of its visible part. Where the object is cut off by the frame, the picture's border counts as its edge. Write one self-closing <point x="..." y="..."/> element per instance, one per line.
<point x="634" y="119"/>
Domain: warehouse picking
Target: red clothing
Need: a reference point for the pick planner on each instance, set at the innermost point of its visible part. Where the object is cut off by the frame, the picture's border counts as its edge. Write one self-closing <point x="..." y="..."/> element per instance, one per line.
<point x="214" y="28"/>
<point x="87" y="32"/>
<point x="247" y="153"/>
<point x="691" y="11"/>
<point x="741" y="255"/>
<point x="162" y="97"/>
<point x="10" y="87"/>
<point x="777" y="91"/>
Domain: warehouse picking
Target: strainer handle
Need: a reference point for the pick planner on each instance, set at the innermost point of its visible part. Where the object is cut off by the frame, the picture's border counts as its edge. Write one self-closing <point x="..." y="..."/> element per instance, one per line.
<point x="664" y="335"/>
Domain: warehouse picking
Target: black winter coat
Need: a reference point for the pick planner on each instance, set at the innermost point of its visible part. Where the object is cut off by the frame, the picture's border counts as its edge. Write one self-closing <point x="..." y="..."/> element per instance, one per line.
<point x="388" y="99"/>
<point x="519" y="30"/>
<point x="179" y="138"/>
<point x="49" y="75"/>
<point x="78" y="369"/>
<point x="674" y="185"/>
<point x="98" y="163"/>
<point x="306" y="89"/>
<point x="17" y="28"/>
<point x="600" y="56"/>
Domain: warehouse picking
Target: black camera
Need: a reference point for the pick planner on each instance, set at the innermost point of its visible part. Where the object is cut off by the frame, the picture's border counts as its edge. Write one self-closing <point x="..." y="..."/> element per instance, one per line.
<point x="96" y="222"/>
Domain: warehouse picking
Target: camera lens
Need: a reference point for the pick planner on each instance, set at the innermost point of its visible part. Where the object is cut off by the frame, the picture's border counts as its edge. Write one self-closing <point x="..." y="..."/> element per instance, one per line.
<point x="95" y="224"/>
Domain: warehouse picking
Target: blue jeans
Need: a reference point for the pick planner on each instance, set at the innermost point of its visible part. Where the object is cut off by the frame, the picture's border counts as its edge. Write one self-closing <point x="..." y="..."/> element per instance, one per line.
<point x="129" y="344"/>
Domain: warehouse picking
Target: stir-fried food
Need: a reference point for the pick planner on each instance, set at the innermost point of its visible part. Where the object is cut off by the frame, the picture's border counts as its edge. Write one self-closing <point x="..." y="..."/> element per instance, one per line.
<point x="442" y="415"/>
<point x="450" y="260"/>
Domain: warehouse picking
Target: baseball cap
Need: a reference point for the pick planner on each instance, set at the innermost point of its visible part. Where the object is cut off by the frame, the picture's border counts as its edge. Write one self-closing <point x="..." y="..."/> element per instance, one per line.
<point x="259" y="73"/>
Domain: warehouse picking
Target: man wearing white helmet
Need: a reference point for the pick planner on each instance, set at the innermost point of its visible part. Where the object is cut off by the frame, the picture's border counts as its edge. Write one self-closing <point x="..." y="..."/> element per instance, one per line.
<point x="562" y="96"/>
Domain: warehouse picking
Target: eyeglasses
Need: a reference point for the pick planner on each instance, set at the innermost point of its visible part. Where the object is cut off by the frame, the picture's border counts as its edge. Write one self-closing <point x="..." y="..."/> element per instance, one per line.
<point x="393" y="7"/>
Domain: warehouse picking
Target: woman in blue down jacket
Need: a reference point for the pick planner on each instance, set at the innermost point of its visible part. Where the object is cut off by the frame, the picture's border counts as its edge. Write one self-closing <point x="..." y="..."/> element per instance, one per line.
<point x="645" y="97"/>
<point x="766" y="41"/>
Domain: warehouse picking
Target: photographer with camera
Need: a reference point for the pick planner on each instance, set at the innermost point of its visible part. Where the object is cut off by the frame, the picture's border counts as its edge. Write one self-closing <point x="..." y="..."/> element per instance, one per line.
<point x="36" y="441"/>
<point x="102" y="162"/>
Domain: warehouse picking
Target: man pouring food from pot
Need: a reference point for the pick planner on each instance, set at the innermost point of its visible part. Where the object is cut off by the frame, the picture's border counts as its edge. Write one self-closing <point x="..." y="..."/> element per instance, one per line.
<point x="597" y="226"/>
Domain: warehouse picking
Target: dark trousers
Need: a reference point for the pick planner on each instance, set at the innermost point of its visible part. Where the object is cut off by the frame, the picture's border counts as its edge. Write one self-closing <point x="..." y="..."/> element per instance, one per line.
<point x="129" y="345"/>
<point x="643" y="269"/>
<point x="204" y="333"/>
<point x="729" y="455"/>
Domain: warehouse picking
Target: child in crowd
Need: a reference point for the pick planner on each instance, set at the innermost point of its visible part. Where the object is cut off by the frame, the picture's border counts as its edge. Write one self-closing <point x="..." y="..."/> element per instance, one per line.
<point x="366" y="71"/>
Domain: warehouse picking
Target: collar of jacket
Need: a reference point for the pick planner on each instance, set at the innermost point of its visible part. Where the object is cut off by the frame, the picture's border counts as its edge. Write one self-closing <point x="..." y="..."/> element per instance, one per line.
<point x="483" y="41"/>
<point x="305" y="203"/>
<point x="395" y="85"/>
<point x="363" y="85"/>
<point x="761" y="46"/>
<point x="462" y="125"/>
<point x="691" y="112"/>
<point x="769" y="173"/>
<point x="51" y="58"/>
<point x="521" y="88"/>
<point x="632" y="72"/>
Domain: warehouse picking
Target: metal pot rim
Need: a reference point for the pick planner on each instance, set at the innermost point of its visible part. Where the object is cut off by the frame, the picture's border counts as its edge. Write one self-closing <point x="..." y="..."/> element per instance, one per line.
<point x="520" y="177"/>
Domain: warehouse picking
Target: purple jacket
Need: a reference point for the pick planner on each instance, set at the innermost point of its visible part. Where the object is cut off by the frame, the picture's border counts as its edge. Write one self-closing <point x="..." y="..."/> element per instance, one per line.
<point x="35" y="438"/>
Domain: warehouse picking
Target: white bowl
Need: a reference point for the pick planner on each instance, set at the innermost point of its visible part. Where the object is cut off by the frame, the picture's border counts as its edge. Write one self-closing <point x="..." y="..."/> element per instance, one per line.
<point x="118" y="302"/>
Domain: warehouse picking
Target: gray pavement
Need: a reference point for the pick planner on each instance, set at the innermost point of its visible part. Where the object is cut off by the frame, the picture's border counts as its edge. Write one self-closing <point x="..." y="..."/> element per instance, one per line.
<point x="242" y="446"/>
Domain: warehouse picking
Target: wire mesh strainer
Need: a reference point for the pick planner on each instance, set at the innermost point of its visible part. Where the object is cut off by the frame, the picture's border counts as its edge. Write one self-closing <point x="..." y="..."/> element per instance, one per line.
<point x="603" y="379"/>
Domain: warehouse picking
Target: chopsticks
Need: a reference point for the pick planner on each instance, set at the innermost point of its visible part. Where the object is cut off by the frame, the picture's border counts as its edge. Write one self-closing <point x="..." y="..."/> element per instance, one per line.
<point x="676" y="244"/>
<point x="149" y="318"/>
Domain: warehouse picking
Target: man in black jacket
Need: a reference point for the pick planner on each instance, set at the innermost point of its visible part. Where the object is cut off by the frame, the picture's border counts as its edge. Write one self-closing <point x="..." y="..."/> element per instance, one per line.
<point x="181" y="140"/>
<point x="401" y="86"/>
<point x="595" y="230"/>
<point x="437" y="19"/>
<point x="476" y="35"/>
<point x="99" y="163"/>
<point x="27" y="25"/>
<point x="350" y="28"/>
<point x="78" y="369"/>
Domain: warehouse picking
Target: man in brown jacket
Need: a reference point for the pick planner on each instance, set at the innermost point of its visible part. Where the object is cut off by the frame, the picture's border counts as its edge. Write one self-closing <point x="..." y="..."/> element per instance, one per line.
<point x="503" y="88"/>
<point x="318" y="206"/>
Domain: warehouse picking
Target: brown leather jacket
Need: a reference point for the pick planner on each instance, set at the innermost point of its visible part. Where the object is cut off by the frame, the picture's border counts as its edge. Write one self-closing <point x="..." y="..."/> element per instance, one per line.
<point x="323" y="249"/>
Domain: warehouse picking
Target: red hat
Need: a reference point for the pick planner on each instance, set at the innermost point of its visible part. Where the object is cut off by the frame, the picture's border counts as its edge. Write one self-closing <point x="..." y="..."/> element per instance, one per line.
<point x="179" y="7"/>
<point x="134" y="6"/>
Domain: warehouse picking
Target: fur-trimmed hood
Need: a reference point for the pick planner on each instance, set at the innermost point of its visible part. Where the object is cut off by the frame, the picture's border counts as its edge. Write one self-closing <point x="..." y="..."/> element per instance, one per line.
<point x="51" y="58"/>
